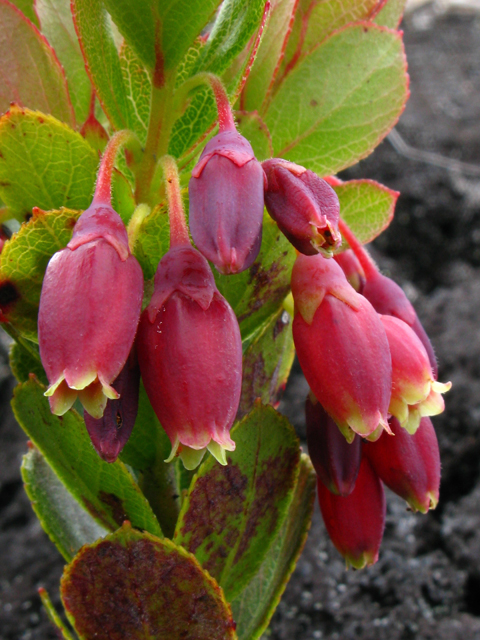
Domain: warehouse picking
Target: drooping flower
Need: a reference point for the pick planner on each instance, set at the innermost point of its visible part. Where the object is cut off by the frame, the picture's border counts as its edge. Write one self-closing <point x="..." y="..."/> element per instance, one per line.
<point x="226" y="202"/>
<point x="89" y="310"/>
<point x="355" y="523"/>
<point x="303" y="205"/>
<point x="190" y="355"/>
<point x="415" y="392"/>
<point x="335" y="460"/>
<point x="110" y="433"/>
<point x="408" y="464"/>
<point x="341" y="346"/>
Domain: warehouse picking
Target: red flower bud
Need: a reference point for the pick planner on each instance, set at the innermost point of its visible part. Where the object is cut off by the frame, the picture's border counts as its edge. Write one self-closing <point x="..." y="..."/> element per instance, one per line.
<point x="89" y="310"/>
<point x="226" y="203"/>
<point x="415" y="392"/>
<point x="355" y="523"/>
<point x="408" y="464"/>
<point x="352" y="269"/>
<point x="303" y="205"/>
<point x="336" y="461"/>
<point x="389" y="299"/>
<point x="341" y="346"/>
<point x="190" y="355"/>
<point x="110" y="433"/>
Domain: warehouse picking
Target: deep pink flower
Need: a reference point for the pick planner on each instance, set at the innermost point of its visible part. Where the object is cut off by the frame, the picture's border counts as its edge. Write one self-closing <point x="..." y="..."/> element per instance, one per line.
<point x="335" y="460"/>
<point x="226" y="203"/>
<point x="408" y="464"/>
<point x="352" y="269"/>
<point x="190" y="355"/>
<point x="355" y="523"/>
<point x="89" y="310"/>
<point x="303" y="205"/>
<point x="341" y="346"/>
<point x="415" y="392"/>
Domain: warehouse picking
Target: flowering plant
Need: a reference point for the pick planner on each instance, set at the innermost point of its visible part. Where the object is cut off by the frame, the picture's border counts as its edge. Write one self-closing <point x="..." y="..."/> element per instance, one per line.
<point x="148" y="378"/>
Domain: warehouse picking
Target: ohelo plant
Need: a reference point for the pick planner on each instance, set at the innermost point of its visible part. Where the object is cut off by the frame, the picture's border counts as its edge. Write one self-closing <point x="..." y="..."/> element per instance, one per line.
<point x="171" y="233"/>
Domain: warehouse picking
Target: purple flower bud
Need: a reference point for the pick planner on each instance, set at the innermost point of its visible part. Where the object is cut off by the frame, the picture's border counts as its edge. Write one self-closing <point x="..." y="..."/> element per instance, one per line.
<point x="303" y="205"/>
<point x="110" y="433"/>
<point x="89" y="310"/>
<point x="336" y="461"/>
<point x="190" y="355"/>
<point x="226" y="203"/>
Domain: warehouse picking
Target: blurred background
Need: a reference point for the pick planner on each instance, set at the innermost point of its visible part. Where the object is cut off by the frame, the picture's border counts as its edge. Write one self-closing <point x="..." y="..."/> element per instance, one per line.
<point x="426" y="584"/>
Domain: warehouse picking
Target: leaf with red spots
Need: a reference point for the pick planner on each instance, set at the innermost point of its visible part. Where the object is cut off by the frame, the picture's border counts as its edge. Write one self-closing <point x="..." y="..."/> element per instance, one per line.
<point x="107" y="491"/>
<point x="254" y="607"/>
<point x="30" y="73"/>
<point x="232" y="514"/>
<point x="133" y="585"/>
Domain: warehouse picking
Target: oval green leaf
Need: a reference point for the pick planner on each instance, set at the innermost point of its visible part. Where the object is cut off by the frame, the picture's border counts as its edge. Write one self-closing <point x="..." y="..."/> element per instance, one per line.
<point x="133" y="585"/>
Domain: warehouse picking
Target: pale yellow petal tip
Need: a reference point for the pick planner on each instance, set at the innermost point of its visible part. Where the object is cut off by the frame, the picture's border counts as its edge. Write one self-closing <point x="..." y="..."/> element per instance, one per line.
<point x="191" y="458"/>
<point x="441" y="387"/>
<point x="365" y="559"/>
<point x="218" y="451"/>
<point x="288" y="304"/>
<point x="81" y="382"/>
<point x="173" y="452"/>
<point x="61" y="398"/>
<point x="53" y="387"/>
<point x="93" y="399"/>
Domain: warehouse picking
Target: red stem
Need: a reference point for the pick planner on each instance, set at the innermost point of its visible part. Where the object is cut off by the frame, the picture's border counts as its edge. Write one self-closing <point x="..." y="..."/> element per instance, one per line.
<point x="176" y="214"/>
<point x="225" y="115"/>
<point x="367" y="263"/>
<point x="103" y="190"/>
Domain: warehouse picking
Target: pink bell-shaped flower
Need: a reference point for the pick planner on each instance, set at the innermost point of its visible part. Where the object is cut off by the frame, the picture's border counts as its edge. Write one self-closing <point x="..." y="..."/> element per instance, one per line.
<point x="408" y="464"/>
<point x="335" y="460"/>
<point x="190" y="355"/>
<point x="415" y="392"/>
<point x="341" y="346"/>
<point x="355" y="523"/>
<point x="352" y="269"/>
<point x="226" y="202"/>
<point x="303" y="205"/>
<point x="89" y="310"/>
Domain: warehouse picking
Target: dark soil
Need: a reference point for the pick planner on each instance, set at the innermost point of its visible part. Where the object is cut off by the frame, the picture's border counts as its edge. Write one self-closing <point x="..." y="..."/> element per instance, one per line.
<point x="426" y="584"/>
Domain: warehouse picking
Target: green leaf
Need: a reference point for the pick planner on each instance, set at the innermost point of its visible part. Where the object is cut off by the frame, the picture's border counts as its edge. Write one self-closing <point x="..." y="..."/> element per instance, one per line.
<point x="257" y="293"/>
<point x="102" y="61"/>
<point x="43" y="163"/>
<point x="161" y="32"/>
<point x="153" y="240"/>
<point x="30" y="72"/>
<point x="133" y="585"/>
<point x="390" y="15"/>
<point x="107" y="491"/>
<point x="57" y="25"/>
<point x="146" y="451"/>
<point x="232" y="514"/>
<point x="267" y="362"/>
<point x="23" y="262"/>
<point x="341" y="100"/>
<point x="367" y="207"/>
<point x="315" y="21"/>
<point x="236" y="22"/>
<point x="27" y="7"/>
<point x="253" y="128"/>
<point x="23" y="363"/>
<point x="254" y="607"/>
<point x="138" y="88"/>
<point x="67" y="524"/>
<point x="269" y="54"/>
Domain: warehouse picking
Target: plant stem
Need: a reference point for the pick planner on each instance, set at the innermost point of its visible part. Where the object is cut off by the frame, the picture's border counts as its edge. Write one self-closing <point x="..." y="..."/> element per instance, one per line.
<point x="176" y="214"/>
<point x="362" y="255"/>
<point x="103" y="189"/>
<point x="224" y="110"/>
<point x="53" y="615"/>
<point x="159" y="128"/>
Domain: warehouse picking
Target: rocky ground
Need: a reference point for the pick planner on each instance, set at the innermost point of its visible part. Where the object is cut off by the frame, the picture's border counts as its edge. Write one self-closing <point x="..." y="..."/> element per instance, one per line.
<point x="426" y="584"/>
